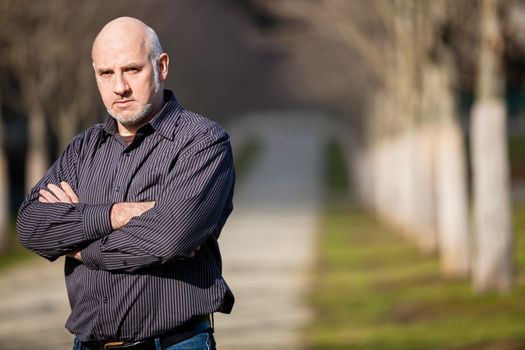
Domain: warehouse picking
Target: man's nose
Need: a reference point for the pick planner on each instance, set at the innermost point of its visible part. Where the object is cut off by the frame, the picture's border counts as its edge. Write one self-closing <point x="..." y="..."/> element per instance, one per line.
<point x="120" y="85"/>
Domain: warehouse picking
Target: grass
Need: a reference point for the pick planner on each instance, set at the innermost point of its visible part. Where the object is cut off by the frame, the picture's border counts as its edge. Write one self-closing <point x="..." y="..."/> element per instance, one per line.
<point x="517" y="157"/>
<point x="335" y="172"/>
<point x="14" y="257"/>
<point x="15" y="252"/>
<point x="374" y="290"/>
<point x="246" y="157"/>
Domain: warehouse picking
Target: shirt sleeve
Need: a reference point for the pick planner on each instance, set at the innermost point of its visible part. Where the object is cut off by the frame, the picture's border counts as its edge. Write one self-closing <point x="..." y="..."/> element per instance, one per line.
<point x="192" y="207"/>
<point x="55" y="229"/>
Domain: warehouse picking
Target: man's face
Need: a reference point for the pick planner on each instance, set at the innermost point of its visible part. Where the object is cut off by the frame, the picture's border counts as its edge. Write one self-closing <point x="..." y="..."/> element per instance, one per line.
<point x="127" y="80"/>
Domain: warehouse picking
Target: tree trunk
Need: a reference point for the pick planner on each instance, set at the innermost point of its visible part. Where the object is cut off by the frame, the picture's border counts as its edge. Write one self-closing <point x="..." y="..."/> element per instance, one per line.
<point x="66" y="127"/>
<point x="452" y="206"/>
<point x="4" y="193"/>
<point x="402" y="204"/>
<point x="492" y="209"/>
<point x="424" y="200"/>
<point x="37" y="155"/>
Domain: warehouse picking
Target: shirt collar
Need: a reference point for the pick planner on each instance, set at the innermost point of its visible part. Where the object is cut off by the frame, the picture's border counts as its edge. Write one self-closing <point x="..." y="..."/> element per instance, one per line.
<point x="164" y="122"/>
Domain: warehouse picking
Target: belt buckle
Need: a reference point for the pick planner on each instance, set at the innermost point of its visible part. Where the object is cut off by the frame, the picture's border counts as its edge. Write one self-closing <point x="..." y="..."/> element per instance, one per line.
<point x="113" y="344"/>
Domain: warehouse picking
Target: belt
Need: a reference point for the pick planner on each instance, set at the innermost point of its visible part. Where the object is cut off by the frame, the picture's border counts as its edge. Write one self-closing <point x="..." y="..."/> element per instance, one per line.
<point x="189" y="329"/>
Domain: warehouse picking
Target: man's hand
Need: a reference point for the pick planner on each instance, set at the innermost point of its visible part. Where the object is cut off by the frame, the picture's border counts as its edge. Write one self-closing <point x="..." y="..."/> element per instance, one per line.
<point x="75" y="255"/>
<point x="193" y="253"/>
<point x="58" y="194"/>
<point x="121" y="213"/>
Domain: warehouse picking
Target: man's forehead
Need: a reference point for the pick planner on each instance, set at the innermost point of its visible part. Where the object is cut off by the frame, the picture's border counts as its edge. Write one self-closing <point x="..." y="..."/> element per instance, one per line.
<point x="119" y="52"/>
<point x="120" y="41"/>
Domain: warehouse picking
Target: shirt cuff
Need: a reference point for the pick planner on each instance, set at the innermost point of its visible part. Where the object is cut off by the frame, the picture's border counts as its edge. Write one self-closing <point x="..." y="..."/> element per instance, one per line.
<point x="92" y="256"/>
<point x="96" y="221"/>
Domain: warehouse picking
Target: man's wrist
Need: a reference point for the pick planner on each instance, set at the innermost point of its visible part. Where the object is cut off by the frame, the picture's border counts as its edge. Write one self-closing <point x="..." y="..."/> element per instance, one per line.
<point x="92" y="255"/>
<point x="96" y="220"/>
<point x="122" y="213"/>
<point x="118" y="216"/>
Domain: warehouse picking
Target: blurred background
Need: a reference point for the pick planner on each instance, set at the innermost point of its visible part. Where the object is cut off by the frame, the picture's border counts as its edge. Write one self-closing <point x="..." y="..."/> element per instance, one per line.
<point x="380" y="152"/>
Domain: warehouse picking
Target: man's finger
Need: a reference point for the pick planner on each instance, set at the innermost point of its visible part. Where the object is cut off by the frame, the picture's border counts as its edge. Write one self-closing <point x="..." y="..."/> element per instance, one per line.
<point x="148" y="205"/>
<point x="49" y="197"/>
<point x="193" y="253"/>
<point x="75" y="255"/>
<point x="59" y="193"/>
<point x="69" y="191"/>
<point x="41" y="199"/>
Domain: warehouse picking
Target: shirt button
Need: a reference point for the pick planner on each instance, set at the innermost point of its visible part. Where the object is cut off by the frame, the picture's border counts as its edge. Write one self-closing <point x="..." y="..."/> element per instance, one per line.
<point x="105" y="300"/>
<point x="117" y="188"/>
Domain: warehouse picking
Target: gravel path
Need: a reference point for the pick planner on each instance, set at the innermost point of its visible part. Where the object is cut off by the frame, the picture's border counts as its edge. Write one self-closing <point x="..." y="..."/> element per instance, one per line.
<point x="268" y="246"/>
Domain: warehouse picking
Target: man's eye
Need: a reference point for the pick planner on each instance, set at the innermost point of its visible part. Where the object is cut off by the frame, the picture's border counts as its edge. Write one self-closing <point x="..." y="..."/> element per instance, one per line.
<point x="132" y="69"/>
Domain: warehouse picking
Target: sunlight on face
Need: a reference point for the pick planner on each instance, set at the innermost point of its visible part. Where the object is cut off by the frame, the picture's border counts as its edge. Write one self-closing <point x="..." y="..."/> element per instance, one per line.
<point x="127" y="76"/>
<point x="145" y="110"/>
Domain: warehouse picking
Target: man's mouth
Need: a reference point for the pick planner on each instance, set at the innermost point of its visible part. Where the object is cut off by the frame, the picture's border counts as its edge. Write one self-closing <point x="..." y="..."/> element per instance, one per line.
<point x="122" y="102"/>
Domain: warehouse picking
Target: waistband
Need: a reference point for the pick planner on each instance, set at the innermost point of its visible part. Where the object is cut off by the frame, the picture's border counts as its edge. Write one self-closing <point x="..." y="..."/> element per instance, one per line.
<point x="187" y="330"/>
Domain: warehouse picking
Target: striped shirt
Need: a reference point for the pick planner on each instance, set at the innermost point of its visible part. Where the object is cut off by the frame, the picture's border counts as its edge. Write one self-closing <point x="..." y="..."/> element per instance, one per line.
<point x="138" y="281"/>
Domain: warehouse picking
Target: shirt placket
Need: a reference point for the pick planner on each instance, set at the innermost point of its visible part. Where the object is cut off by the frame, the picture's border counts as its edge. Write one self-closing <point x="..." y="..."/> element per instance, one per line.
<point x="123" y="173"/>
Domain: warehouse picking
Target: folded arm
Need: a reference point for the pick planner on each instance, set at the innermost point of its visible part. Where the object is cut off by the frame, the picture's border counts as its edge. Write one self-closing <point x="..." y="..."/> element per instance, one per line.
<point x="127" y="236"/>
<point x="120" y="213"/>
<point x="190" y="210"/>
<point x="53" y="228"/>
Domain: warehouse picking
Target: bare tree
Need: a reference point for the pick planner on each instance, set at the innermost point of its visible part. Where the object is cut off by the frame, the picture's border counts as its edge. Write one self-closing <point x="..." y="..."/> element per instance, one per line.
<point x="411" y="167"/>
<point x="47" y="50"/>
<point x="450" y="172"/>
<point x="32" y="60"/>
<point x="4" y="174"/>
<point x="441" y="111"/>
<point x="428" y="157"/>
<point x="492" y="209"/>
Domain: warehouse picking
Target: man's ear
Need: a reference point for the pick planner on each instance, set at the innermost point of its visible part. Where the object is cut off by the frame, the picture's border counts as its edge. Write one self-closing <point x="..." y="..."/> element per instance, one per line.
<point x="163" y="62"/>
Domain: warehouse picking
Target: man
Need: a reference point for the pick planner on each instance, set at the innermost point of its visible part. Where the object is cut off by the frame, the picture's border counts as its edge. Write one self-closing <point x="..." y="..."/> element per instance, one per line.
<point x="136" y="205"/>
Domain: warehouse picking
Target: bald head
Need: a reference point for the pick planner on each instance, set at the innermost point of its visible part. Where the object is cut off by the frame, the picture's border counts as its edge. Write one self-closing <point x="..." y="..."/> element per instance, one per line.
<point x="125" y="30"/>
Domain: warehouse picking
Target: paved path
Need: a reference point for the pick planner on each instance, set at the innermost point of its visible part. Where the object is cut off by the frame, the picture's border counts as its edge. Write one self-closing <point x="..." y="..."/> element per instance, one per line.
<point x="267" y="246"/>
<point x="33" y="307"/>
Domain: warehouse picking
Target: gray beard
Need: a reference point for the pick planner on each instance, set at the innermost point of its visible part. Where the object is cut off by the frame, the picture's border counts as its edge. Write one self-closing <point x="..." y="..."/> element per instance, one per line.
<point x="135" y="120"/>
<point x="144" y="112"/>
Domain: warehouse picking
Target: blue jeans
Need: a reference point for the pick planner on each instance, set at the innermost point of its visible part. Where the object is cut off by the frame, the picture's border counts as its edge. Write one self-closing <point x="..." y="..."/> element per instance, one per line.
<point x="202" y="341"/>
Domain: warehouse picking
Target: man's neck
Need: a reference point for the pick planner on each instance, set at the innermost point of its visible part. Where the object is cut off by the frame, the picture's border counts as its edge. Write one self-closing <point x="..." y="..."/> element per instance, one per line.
<point x="128" y="130"/>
